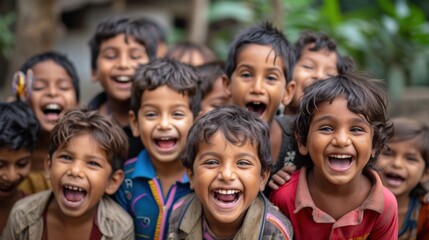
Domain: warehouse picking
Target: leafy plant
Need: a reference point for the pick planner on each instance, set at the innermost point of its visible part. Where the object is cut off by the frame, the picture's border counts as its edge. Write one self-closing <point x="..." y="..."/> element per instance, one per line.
<point x="6" y="35"/>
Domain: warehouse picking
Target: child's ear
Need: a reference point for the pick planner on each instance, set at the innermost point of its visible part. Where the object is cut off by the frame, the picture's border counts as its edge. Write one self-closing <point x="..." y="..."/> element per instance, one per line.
<point x="115" y="182"/>
<point x="134" y="123"/>
<point x="190" y="177"/>
<point x="425" y="177"/>
<point x="290" y="91"/>
<point x="48" y="165"/>
<point x="264" y="179"/>
<point x="94" y="78"/>
<point x="226" y="85"/>
<point x="302" y="149"/>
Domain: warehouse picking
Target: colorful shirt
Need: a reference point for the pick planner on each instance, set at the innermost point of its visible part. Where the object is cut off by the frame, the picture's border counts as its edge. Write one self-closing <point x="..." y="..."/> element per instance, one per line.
<point x="141" y="195"/>
<point x="262" y="221"/>
<point x="26" y="219"/>
<point x="416" y="223"/>
<point x="376" y="218"/>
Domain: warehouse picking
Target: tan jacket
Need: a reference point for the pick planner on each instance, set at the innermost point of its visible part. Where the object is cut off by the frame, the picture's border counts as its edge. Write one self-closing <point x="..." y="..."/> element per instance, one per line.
<point x="26" y="219"/>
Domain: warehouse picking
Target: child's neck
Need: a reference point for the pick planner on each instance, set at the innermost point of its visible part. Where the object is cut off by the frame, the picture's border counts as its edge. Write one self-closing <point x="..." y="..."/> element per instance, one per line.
<point x="403" y="202"/>
<point x="40" y="153"/>
<point x="225" y="231"/>
<point x="67" y="226"/>
<point x="168" y="173"/>
<point x="118" y="110"/>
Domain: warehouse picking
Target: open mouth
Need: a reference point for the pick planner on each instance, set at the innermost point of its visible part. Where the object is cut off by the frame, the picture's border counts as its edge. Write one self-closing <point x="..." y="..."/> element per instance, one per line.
<point x="166" y="142"/>
<point x="394" y="179"/>
<point x="52" y="111"/>
<point x="74" y="194"/>
<point x="226" y="196"/>
<point x="6" y="188"/>
<point x="256" y="107"/>
<point x="123" y="79"/>
<point x="340" y="162"/>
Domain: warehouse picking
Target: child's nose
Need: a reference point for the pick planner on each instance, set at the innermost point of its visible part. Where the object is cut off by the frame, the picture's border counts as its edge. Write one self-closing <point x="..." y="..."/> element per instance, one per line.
<point x="258" y="87"/>
<point x="124" y="62"/>
<point x="164" y="123"/>
<point x="76" y="169"/>
<point x="341" y="139"/>
<point x="11" y="175"/>
<point x="227" y="173"/>
<point x="52" y="90"/>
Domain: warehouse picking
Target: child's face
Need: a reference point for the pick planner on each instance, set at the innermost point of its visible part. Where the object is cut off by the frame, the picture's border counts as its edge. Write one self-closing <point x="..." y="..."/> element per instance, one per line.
<point x="339" y="142"/>
<point x="258" y="82"/>
<point x="226" y="179"/>
<point x="163" y="121"/>
<point x="14" y="167"/>
<point x="403" y="167"/>
<point x="52" y="93"/>
<point x="80" y="174"/>
<point x="312" y="66"/>
<point x="216" y="98"/>
<point x="116" y="65"/>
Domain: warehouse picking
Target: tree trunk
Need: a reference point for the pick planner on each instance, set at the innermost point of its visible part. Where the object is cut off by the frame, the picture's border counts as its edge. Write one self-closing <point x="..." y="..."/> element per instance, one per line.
<point x="38" y="26"/>
<point x="278" y="9"/>
<point x="199" y="21"/>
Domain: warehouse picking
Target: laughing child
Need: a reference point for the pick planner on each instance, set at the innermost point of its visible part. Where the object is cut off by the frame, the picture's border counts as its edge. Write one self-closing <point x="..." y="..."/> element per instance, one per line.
<point x="259" y="69"/>
<point x="18" y="137"/>
<point x="228" y="161"/>
<point x="118" y="46"/>
<point x="162" y="106"/>
<point x="340" y="128"/>
<point x="53" y="90"/>
<point x="404" y="165"/>
<point x="86" y="154"/>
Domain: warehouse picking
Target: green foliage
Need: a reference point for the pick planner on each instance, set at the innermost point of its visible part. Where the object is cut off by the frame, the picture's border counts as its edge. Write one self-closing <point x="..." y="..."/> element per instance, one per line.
<point x="6" y="35"/>
<point x="388" y="38"/>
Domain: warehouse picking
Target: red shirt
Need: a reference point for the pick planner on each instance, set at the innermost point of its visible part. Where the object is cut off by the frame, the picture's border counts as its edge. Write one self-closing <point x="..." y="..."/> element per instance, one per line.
<point x="376" y="218"/>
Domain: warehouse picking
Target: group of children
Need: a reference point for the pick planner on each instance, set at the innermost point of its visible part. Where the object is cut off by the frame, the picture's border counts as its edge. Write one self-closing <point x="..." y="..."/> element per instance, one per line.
<point x="180" y="146"/>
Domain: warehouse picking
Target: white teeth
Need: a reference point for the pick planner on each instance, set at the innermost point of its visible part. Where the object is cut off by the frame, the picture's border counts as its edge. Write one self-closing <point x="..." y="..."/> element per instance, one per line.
<point x="165" y="138"/>
<point x="74" y="188"/>
<point x="123" y="78"/>
<point x="256" y="103"/>
<point x="53" y="106"/>
<point x="227" y="192"/>
<point x="340" y="156"/>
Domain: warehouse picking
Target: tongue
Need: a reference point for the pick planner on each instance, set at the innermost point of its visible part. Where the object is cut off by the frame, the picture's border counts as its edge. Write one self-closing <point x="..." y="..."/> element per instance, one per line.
<point x="166" y="143"/>
<point x="258" y="109"/>
<point x="74" y="196"/>
<point x="52" y="116"/>
<point x="226" y="197"/>
<point x="339" y="163"/>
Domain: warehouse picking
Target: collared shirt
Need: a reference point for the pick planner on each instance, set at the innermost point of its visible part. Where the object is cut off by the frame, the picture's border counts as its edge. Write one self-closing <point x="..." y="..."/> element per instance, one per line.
<point x="142" y="196"/>
<point x="376" y="218"/>
<point x="262" y="221"/>
<point x="26" y="219"/>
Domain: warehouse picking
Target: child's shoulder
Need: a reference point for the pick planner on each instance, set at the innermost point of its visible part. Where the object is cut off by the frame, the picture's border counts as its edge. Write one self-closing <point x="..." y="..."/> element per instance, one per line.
<point x="278" y="222"/>
<point x="33" y="202"/>
<point x="111" y="211"/>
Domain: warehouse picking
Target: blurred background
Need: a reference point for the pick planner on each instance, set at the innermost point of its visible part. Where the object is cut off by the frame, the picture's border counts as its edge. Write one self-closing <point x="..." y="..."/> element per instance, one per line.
<point x="388" y="38"/>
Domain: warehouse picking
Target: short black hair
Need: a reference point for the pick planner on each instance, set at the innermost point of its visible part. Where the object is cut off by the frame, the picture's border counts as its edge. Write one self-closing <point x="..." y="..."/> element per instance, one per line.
<point x="365" y="95"/>
<point x="19" y="128"/>
<point x="238" y="127"/>
<point x="181" y="49"/>
<point x="345" y="64"/>
<point x="159" y="72"/>
<point x="59" y="59"/>
<point x="207" y="74"/>
<point x="111" y="27"/>
<point x="109" y="136"/>
<point x="262" y="34"/>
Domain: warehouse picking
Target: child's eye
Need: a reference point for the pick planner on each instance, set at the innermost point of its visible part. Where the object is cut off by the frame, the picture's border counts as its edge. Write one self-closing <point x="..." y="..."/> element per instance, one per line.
<point x="386" y="153"/>
<point x="244" y="163"/>
<point x="38" y="86"/>
<point x="178" y="114"/>
<point x="65" y="157"/>
<point x="94" y="164"/>
<point x="272" y="78"/>
<point x="211" y="162"/>
<point x="307" y="66"/>
<point x="150" y="115"/>
<point x="325" y="129"/>
<point x="357" y="129"/>
<point x="246" y="75"/>
<point x="23" y="163"/>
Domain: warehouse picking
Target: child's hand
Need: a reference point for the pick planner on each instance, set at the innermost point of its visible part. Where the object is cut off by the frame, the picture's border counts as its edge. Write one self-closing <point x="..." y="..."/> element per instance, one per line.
<point x="282" y="176"/>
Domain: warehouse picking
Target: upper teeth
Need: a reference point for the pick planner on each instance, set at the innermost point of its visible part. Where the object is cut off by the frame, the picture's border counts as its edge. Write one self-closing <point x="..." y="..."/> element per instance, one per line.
<point x="123" y="78"/>
<point x="227" y="191"/>
<point x="53" y="106"/>
<point x="74" y="188"/>
<point x="341" y="156"/>
<point x="256" y="103"/>
<point x="165" y="138"/>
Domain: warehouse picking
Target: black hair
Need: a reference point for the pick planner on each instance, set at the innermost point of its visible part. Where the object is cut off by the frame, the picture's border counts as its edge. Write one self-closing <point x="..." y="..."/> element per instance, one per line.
<point x="365" y="95"/>
<point x="59" y="59"/>
<point x="345" y="64"/>
<point x="262" y="34"/>
<point x="181" y="49"/>
<point x="159" y="72"/>
<point x="111" y="27"/>
<point x="207" y="74"/>
<point x="237" y="126"/>
<point x="18" y="126"/>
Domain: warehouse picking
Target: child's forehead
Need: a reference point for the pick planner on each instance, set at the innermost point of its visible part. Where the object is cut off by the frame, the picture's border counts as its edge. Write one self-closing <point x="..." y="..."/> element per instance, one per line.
<point x="248" y="52"/>
<point x="164" y="95"/>
<point x="121" y="39"/>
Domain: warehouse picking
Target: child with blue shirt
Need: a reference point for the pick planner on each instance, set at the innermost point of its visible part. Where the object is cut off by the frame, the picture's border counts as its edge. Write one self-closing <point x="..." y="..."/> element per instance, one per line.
<point x="161" y="114"/>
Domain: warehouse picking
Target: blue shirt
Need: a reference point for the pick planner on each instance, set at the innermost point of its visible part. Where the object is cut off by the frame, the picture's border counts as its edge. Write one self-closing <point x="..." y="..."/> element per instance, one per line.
<point x="141" y="196"/>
